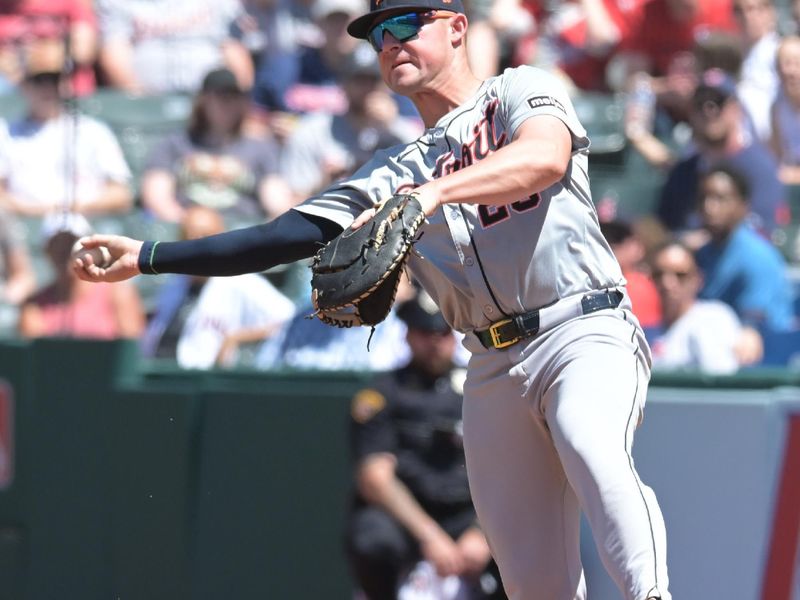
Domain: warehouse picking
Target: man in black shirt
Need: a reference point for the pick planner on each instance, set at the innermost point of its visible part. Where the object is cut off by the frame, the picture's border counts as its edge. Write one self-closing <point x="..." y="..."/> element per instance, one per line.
<point x="412" y="500"/>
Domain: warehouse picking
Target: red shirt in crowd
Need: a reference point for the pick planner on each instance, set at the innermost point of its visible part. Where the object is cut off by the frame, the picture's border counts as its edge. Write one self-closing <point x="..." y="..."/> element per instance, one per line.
<point x="587" y="70"/>
<point x="645" y="303"/>
<point x="660" y="35"/>
<point x="24" y="21"/>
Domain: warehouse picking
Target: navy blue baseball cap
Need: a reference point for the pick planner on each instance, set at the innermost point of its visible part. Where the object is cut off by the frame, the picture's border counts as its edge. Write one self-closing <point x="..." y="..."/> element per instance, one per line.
<point x="382" y="9"/>
<point x="715" y="85"/>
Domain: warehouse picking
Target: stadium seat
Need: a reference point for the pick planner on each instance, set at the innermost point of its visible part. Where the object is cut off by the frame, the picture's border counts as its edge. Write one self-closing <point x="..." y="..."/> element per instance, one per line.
<point x="120" y="109"/>
<point x="602" y="115"/>
<point x="633" y="187"/>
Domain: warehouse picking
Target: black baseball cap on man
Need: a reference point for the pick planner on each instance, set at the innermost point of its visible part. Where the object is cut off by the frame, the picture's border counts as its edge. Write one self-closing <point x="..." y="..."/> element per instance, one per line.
<point x="715" y="86"/>
<point x="382" y="9"/>
<point x="422" y="314"/>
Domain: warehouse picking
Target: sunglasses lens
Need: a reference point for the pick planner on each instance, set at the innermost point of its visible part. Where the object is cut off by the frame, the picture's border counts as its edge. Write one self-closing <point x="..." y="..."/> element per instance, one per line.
<point x="405" y="27"/>
<point x="402" y="28"/>
<point x="375" y="38"/>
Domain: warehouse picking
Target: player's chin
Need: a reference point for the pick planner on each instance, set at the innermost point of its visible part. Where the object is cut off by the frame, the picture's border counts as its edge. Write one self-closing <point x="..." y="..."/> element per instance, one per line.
<point x="404" y="80"/>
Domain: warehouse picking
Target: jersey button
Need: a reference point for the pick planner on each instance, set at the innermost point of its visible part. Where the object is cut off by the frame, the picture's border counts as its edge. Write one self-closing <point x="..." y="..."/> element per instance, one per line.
<point x="489" y="309"/>
<point x="469" y="262"/>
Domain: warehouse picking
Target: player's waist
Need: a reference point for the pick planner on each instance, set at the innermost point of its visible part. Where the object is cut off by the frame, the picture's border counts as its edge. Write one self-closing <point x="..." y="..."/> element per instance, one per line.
<point x="512" y="329"/>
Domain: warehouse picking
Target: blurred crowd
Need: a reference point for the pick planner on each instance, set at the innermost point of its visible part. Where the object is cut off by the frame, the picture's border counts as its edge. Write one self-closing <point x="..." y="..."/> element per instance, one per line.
<point x="169" y="119"/>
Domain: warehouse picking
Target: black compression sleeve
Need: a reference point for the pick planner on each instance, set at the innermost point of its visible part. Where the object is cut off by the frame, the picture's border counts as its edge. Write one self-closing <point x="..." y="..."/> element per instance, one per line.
<point x="290" y="237"/>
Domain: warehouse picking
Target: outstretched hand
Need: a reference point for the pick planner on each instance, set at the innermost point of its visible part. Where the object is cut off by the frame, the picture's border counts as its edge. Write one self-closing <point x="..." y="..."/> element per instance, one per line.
<point x="122" y="258"/>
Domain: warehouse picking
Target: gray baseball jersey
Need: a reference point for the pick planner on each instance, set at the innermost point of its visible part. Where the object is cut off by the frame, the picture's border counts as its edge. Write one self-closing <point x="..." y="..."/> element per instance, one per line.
<point x="548" y="422"/>
<point x="480" y="262"/>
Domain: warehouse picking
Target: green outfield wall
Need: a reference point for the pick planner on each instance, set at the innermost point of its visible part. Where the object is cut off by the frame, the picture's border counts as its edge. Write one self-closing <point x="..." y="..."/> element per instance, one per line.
<point x="131" y="481"/>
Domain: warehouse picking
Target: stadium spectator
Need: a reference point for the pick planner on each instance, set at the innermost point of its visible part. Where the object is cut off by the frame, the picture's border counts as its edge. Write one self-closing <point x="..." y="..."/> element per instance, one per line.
<point x="327" y="146"/>
<point x="313" y="83"/>
<point x="309" y="344"/>
<point x="786" y="112"/>
<point x="630" y="252"/>
<point x="656" y="66"/>
<point x="704" y="335"/>
<point x="484" y="44"/>
<point x="201" y="322"/>
<point x="720" y="133"/>
<point x="67" y="306"/>
<point x="26" y="25"/>
<point x="658" y="110"/>
<point x="739" y="266"/>
<point x="758" y="79"/>
<point x="161" y="46"/>
<point x="579" y="38"/>
<point x="669" y="29"/>
<point x="411" y="500"/>
<point x="55" y="159"/>
<point x="214" y="162"/>
<point x="317" y="85"/>
<point x="497" y="29"/>
<point x="274" y="31"/>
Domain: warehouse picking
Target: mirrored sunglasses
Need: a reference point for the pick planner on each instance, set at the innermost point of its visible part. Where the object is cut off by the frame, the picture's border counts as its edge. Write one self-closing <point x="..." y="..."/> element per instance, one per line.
<point x="403" y="27"/>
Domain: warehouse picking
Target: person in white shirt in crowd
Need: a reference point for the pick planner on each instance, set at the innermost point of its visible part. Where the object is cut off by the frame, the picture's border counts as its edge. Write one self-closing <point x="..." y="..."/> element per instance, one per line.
<point x="785" y="113"/>
<point x="758" y="78"/>
<point x="310" y="345"/>
<point x="52" y="160"/>
<point x="163" y="46"/>
<point x="702" y="335"/>
<point x="202" y="322"/>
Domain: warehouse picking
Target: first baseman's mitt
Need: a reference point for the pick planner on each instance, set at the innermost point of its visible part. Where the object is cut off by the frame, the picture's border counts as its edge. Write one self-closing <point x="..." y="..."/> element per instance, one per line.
<point x="354" y="278"/>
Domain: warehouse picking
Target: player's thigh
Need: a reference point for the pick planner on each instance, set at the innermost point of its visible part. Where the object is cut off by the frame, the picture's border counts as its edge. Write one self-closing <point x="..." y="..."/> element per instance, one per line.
<point x="595" y="397"/>
<point x="524" y="503"/>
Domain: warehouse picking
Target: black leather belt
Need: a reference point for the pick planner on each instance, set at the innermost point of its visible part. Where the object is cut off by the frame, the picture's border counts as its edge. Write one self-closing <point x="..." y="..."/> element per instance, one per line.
<point x="508" y="332"/>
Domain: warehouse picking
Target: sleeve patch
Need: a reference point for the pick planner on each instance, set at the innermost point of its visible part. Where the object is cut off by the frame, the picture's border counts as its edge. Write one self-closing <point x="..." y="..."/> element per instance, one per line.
<point x="539" y="101"/>
<point x="366" y="404"/>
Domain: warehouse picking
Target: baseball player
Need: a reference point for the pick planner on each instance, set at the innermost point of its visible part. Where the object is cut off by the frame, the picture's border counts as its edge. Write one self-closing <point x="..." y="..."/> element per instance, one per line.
<point x="513" y="255"/>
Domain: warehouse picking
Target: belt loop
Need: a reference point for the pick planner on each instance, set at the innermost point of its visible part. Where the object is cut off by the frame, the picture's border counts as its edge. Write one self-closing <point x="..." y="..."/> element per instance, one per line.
<point x="593" y="302"/>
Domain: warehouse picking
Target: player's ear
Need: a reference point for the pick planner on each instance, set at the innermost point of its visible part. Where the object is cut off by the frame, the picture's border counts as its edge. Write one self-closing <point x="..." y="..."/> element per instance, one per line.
<point x="458" y="27"/>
